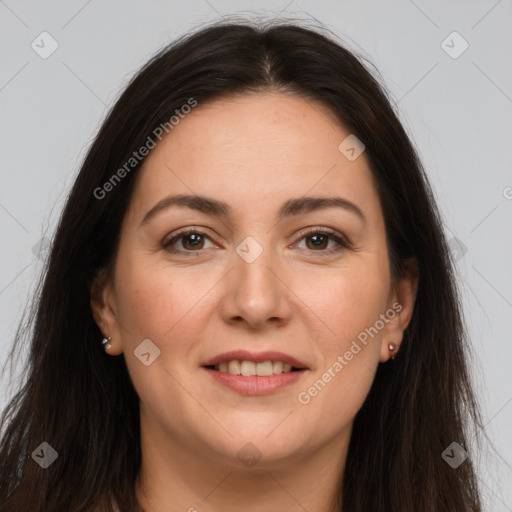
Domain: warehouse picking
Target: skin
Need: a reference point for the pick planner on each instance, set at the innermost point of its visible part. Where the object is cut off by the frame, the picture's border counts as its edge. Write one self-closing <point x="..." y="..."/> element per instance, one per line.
<point x="253" y="152"/>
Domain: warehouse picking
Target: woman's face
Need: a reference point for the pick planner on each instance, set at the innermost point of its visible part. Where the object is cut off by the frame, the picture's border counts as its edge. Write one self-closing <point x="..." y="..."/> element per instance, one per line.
<point x="261" y="271"/>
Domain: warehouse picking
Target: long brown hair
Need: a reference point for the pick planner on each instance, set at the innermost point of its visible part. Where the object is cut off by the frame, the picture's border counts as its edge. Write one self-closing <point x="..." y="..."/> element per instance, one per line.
<point x="82" y="402"/>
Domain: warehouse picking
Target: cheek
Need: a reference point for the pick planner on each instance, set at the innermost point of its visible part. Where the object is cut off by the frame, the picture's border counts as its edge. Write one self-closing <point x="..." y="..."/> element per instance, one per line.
<point x="349" y="301"/>
<point x="158" y="302"/>
<point x="335" y="397"/>
<point x="335" y="392"/>
<point x="346" y="300"/>
<point x="145" y="305"/>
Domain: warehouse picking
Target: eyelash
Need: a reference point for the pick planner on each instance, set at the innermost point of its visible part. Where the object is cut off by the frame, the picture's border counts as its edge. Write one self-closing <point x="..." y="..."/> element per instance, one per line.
<point x="343" y="243"/>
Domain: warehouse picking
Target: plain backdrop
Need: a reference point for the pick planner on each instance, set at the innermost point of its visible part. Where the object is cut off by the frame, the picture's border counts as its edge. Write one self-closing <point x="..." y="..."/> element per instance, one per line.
<point x="454" y="101"/>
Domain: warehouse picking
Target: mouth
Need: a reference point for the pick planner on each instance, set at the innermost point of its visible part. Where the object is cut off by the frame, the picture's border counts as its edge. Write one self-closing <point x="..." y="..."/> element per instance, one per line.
<point x="255" y="373"/>
<point x="245" y="368"/>
<point x="250" y="364"/>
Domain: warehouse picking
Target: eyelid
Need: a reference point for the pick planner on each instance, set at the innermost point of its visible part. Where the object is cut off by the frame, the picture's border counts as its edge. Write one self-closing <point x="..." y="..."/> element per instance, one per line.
<point x="181" y="233"/>
<point x="342" y="240"/>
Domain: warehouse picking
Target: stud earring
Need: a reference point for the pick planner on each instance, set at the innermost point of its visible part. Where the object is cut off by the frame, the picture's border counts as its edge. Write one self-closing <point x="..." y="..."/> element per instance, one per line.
<point x="106" y="343"/>
<point x="392" y="350"/>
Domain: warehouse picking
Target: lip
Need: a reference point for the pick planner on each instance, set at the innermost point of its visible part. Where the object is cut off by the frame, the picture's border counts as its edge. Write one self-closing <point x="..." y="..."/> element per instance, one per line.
<point x="256" y="357"/>
<point x="255" y="386"/>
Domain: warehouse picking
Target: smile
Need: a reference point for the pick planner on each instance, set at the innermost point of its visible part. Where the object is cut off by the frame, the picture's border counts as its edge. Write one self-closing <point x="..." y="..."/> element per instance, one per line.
<point x="251" y="369"/>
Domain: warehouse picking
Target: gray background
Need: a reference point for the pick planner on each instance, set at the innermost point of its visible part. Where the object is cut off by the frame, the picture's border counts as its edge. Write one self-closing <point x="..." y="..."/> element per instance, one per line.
<point x="457" y="111"/>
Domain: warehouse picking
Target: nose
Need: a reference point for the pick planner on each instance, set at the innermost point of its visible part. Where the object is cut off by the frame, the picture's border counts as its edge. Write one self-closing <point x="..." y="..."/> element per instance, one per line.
<point x="256" y="293"/>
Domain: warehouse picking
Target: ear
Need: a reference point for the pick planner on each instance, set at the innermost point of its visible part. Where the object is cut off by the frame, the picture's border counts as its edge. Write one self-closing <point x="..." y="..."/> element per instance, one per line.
<point x="103" y="310"/>
<point x="400" y="308"/>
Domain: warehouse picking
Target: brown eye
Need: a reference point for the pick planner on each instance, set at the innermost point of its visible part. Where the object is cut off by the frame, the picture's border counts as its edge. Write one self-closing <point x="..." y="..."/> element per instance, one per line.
<point x="324" y="241"/>
<point x="186" y="241"/>
<point x="192" y="241"/>
<point x="318" y="241"/>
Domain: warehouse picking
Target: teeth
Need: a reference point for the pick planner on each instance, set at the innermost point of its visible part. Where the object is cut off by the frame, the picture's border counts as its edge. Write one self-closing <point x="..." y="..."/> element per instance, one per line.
<point x="233" y="367"/>
<point x="247" y="368"/>
<point x="278" y="367"/>
<point x="264" y="369"/>
<point x="250" y="369"/>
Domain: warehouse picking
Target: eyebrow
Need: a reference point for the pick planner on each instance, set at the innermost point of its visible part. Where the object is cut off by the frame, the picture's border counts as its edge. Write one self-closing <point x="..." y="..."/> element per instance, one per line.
<point x="218" y="208"/>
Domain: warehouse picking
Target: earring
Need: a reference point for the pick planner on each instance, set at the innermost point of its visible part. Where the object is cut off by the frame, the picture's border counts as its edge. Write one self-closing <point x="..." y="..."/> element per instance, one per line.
<point x="392" y="349"/>
<point x="106" y="343"/>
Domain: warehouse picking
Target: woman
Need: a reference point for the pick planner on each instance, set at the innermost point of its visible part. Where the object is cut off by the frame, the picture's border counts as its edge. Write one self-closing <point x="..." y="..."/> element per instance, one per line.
<point x="249" y="301"/>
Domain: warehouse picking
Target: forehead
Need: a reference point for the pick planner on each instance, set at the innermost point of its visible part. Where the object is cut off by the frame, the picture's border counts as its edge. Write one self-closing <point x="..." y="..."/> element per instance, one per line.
<point x="248" y="147"/>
